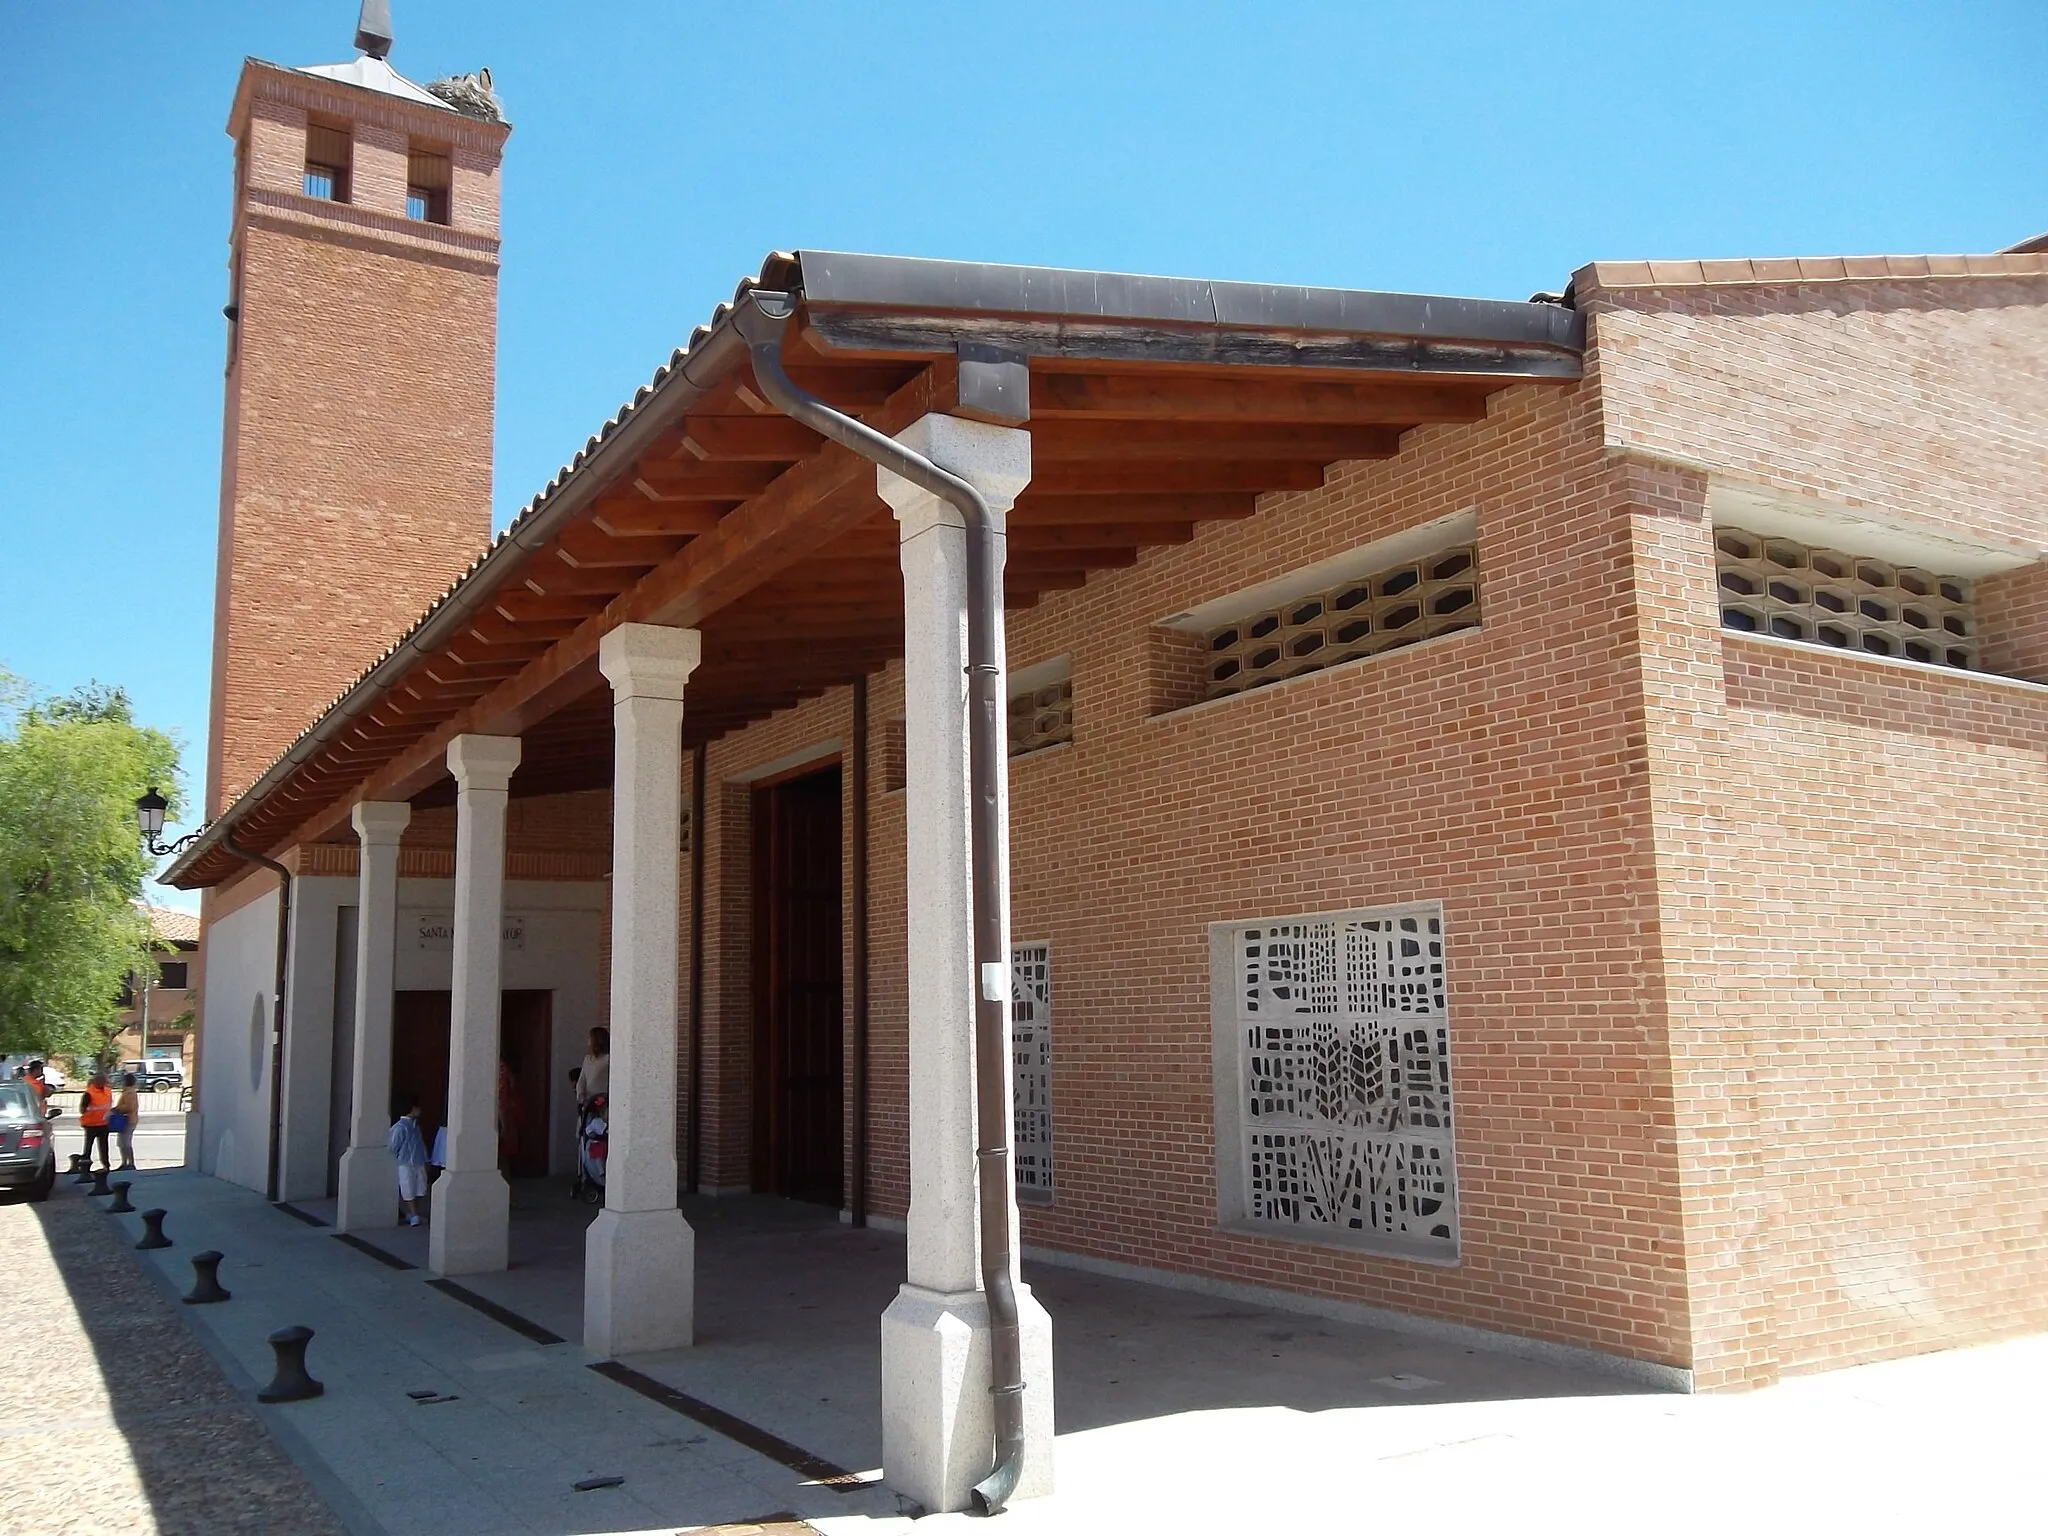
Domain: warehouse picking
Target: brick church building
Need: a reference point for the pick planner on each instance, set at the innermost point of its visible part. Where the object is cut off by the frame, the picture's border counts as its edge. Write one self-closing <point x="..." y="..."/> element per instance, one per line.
<point x="1528" y="819"/>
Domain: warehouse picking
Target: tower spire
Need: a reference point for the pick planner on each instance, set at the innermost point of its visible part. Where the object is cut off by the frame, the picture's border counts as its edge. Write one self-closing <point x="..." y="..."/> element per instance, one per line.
<point x="373" y="28"/>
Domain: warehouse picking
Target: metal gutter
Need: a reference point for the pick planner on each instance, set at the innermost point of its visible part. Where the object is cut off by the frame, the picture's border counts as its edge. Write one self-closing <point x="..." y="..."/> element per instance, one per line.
<point x="832" y="278"/>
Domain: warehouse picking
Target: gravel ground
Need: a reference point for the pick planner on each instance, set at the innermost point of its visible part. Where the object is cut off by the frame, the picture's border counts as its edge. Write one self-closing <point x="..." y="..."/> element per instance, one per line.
<point x="116" y="1420"/>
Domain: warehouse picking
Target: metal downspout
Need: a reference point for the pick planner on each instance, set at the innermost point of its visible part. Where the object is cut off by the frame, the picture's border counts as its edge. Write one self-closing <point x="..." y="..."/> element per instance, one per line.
<point x="760" y="322"/>
<point x="284" y="940"/>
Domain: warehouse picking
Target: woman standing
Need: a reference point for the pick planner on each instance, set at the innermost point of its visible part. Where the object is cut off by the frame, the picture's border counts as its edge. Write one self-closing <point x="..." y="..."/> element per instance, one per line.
<point x="126" y="1109"/>
<point x="94" y="1105"/>
<point x="511" y="1115"/>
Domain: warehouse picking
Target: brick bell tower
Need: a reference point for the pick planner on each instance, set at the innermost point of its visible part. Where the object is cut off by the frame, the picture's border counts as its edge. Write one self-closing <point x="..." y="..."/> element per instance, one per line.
<point x="362" y="338"/>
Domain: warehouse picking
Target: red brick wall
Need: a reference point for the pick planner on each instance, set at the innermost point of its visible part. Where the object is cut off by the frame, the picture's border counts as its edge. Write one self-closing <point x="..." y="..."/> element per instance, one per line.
<point x="356" y="471"/>
<point x="1489" y="770"/>
<point x="1852" y="853"/>
<point x="2012" y="618"/>
<point x="1719" y="932"/>
<point x="1916" y="397"/>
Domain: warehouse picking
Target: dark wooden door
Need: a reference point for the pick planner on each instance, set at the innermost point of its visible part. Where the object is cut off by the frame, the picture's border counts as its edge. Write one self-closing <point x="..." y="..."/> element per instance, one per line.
<point x="419" y="1057"/>
<point x="527" y="1029"/>
<point x="798" y="1042"/>
<point x="419" y="1065"/>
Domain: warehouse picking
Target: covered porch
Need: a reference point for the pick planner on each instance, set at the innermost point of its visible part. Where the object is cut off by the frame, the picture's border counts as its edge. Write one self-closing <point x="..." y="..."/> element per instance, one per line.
<point x="709" y="564"/>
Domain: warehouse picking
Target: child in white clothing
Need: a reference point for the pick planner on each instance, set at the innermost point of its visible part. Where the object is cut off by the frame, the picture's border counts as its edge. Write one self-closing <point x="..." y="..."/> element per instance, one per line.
<point x="410" y="1149"/>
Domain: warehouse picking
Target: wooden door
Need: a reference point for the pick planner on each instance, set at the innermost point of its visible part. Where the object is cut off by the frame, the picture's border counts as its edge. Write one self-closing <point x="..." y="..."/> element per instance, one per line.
<point x="527" y="1034"/>
<point x="798" y="1039"/>
<point x="419" y="1057"/>
<point x="419" y="1065"/>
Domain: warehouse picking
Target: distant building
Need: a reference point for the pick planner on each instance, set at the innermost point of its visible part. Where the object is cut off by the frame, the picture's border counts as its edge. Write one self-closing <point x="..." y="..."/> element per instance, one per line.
<point x="165" y="999"/>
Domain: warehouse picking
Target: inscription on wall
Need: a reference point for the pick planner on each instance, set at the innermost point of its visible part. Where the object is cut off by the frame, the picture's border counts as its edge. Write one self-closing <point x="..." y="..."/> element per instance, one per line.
<point x="434" y="932"/>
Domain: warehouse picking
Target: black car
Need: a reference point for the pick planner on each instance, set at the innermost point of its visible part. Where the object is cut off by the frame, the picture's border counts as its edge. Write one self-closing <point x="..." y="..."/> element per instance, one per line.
<point x="28" y="1142"/>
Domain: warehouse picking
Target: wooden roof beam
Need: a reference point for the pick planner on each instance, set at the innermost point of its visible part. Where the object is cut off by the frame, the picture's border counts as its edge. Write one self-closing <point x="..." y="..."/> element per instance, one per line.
<point x="1084" y="438"/>
<point x="590" y="548"/>
<point x="1194" y="476"/>
<point x="805" y="509"/>
<point x="1036" y="508"/>
<point x="555" y="578"/>
<point x="770" y="439"/>
<point x="640" y="518"/>
<point x="671" y="480"/>
<point x="1190" y="398"/>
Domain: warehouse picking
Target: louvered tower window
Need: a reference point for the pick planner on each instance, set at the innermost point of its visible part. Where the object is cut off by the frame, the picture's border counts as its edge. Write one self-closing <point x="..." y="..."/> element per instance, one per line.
<point x="426" y="186"/>
<point x="330" y="154"/>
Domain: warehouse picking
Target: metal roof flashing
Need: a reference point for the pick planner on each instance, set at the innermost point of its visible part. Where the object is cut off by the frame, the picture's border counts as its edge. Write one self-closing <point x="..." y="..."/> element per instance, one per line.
<point x="371" y="74"/>
<point x="835" y="278"/>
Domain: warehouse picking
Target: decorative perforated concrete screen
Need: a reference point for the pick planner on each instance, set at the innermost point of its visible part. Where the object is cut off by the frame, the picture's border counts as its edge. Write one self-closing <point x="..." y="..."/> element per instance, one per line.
<point x="1778" y="586"/>
<point x="1332" y="1057"/>
<point x="1361" y="617"/>
<point x="1042" y="717"/>
<point x="1031" y="1055"/>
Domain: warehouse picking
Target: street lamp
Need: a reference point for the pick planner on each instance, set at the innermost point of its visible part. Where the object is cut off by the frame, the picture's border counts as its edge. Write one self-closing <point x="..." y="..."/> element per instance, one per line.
<point x="149" y="816"/>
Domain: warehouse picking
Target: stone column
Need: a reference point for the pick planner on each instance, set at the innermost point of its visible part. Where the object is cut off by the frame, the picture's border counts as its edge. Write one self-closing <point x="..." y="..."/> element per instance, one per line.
<point x="369" y="1176"/>
<point x="937" y="1417"/>
<point x="639" y="1256"/>
<point x="471" y="1201"/>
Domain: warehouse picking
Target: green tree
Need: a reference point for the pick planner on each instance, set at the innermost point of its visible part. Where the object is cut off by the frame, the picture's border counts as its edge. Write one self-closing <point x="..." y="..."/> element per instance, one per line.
<point x="71" y="866"/>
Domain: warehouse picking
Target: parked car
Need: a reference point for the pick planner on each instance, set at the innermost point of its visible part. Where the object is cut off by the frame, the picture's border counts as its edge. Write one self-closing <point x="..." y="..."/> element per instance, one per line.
<point x="28" y="1144"/>
<point x="156" y="1073"/>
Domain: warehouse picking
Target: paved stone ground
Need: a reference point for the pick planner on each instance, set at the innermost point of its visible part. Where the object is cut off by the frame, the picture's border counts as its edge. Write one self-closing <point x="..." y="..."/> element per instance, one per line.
<point x="112" y="1418"/>
<point x="1255" y="1440"/>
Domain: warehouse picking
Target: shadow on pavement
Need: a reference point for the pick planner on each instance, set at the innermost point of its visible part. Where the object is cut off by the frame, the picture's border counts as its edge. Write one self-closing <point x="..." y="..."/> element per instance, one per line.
<point x="789" y="1302"/>
<point x="114" y="1345"/>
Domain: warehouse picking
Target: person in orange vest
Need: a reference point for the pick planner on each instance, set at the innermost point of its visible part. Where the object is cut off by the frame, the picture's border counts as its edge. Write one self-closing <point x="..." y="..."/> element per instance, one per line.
<point x="94" y="1105"/>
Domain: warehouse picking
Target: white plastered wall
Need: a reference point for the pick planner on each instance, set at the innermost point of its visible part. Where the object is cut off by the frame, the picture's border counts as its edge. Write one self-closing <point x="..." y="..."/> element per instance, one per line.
<point x="559" y="953"/>
<point x="234" y="1059"/>
<point x="317" y="901"/>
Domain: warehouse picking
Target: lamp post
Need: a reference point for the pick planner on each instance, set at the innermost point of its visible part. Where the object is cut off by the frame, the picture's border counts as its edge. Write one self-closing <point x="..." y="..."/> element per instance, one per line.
<point x="149" y="820"/>
<point x="149" y="816"/>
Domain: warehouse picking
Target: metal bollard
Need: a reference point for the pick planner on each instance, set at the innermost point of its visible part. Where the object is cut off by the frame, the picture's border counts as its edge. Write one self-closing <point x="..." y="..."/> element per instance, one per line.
<point x="99" y="1182"/>
<point x="291" y="1383"/>
<point x="121" y="1206"/>
<point x="206" y="1285"/>
<point x="84" y="1174"/>
<point x="77" y="1162"/>
<point x="153" y="1236"/>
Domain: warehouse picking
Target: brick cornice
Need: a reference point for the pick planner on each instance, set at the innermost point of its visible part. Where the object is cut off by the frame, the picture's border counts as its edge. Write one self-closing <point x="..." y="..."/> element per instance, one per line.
<point x="340" y="859"/>
<point x="272" y="83"/>
<point x="1609" y="279"/>
<point x="296" y="213"/>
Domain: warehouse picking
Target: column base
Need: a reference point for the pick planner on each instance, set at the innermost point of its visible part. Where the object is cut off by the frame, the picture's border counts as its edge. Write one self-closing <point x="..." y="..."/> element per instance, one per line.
<point x="195" y="1141"/>
<point x="938" y="1421"/>
<point x="468" y="1232"/>
<point x="366" y="1190"/>
<point x="639" y="1282"/>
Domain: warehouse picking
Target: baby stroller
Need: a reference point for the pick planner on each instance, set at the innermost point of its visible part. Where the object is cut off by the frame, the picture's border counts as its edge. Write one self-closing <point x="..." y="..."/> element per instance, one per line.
<point x="592" y="1128"/>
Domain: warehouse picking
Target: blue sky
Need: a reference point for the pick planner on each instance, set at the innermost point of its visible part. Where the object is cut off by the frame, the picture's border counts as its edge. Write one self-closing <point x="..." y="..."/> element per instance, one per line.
<point x="661" y="148"/>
